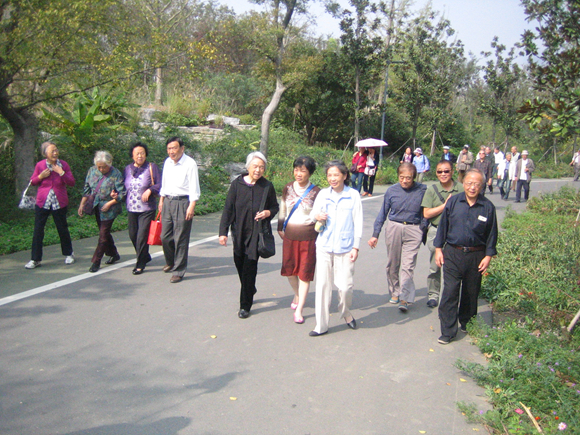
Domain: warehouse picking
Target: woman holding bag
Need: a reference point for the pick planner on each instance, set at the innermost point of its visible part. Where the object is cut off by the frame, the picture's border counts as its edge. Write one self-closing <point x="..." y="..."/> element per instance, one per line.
<point x="370" y="172"/>
<point x="143" y="182"/>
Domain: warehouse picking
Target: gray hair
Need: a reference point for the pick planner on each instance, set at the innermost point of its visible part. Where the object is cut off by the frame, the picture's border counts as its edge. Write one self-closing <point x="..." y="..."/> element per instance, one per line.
<point x="103" y="157"/>
<point x="255" y="155"/>
<point x="44" y="146"/>
<point x="508" y="154"/>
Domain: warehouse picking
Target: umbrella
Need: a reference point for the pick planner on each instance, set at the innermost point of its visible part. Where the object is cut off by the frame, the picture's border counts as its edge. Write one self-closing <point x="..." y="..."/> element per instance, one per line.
<point x="368" y="143"/>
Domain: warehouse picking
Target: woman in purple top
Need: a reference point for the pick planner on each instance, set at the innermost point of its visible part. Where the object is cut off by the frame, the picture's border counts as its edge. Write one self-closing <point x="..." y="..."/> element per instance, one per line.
<point x="52" y="176"/>
<point x="143" y="182"/>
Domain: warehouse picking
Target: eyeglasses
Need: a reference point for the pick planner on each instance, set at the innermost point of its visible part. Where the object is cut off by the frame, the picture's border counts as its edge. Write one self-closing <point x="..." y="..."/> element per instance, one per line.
<point x="474" y="184"/>
<point x="446" y="171"/>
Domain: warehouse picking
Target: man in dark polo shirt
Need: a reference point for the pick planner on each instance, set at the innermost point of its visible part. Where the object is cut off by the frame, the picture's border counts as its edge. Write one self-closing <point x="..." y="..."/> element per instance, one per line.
<point x="465" y="242"/>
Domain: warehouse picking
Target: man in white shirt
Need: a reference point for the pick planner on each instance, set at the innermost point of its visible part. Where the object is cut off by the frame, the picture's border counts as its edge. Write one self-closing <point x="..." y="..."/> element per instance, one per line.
<point x="576" y="163"/>
<point x="178" y="195"/>
<point x="498" y="158"/>
<point x="523" y="175"/>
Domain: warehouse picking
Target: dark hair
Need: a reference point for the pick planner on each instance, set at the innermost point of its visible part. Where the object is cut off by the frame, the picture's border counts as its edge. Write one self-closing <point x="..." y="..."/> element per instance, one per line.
<point x="138" y="144"/>
<point x="410" y="166"/>
<point x="307" y="162"/>
<point x="175" y="139"/>
<point x="338" y="164"/>
<point x="444" y="162"/>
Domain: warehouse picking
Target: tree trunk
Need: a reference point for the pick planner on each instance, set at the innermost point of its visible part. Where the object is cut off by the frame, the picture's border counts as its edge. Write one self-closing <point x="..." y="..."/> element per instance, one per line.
<point x="357" y="108"/>
<point x="267" y="115"/>
<point x="433" y="142"/>
<point x="25" y="128"/>
<point x="159" y="87"/>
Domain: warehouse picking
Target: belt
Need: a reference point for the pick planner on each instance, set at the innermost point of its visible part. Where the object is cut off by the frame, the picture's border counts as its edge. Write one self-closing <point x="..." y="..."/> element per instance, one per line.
<point x="177" y="198"/>
<point x="405" y="223"/>
<point x="467" y="248"/>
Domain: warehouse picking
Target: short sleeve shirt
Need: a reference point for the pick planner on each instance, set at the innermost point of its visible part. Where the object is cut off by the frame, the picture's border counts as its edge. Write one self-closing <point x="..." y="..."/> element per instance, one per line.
<point x="431" y="199"/>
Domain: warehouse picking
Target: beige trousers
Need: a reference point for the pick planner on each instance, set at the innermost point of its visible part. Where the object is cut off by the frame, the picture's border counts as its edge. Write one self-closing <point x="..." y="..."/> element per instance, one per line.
<point x="337" y="269"/>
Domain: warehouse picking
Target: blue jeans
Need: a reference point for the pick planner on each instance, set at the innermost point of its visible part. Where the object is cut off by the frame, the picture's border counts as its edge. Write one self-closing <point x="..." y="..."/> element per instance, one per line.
<point x="356" y="179"/>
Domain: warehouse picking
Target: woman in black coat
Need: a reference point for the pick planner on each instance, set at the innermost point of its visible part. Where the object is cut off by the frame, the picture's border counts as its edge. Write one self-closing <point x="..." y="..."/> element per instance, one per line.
<point x="242" y="214"/>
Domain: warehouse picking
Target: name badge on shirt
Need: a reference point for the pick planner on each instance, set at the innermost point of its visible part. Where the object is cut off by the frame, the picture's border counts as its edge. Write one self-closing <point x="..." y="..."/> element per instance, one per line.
<point x="482" y="218"/>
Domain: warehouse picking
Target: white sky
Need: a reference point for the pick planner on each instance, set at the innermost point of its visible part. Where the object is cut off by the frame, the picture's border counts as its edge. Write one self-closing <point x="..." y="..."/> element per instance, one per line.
<point x="476" y="22"/>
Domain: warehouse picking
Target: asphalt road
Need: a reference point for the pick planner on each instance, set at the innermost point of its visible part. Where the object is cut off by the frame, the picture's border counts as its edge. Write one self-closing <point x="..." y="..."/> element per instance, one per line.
<point x="117" y="354"/>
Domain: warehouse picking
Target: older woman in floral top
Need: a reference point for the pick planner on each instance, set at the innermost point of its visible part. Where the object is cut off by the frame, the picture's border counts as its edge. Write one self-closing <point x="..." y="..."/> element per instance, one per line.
<point x="143" y="182"/>
<point x="106" y="182"/>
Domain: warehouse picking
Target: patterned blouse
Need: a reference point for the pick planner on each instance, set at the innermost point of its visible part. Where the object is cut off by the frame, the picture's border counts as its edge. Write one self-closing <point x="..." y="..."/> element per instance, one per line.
<point x="137" y="181"/>
<point x="113" y="180"/>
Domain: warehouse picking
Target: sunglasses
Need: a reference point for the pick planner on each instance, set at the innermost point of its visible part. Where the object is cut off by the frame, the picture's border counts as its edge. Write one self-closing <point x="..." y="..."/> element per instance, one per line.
<point x="445" y="171"/>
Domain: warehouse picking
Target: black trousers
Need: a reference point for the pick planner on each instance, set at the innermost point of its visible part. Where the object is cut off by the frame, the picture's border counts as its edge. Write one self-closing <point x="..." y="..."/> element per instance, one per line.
<point x="106" y="243"/>
<point x="139" y="233"/>
<point x="369" y="183"/>
<point x="526" y="185"/>
<point x="40" y="217"/>
<point x="247" y="271"/>
<point x="461" y="286"/>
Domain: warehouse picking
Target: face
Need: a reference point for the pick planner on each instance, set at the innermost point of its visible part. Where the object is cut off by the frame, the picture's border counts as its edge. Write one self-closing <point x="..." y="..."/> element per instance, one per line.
<point x="445" y="151"/>
<point x="51" y="153"/>
<point x="335" y="178"/>
<point x="464" y="150"/>
<point x="406" y="178"/>
<point x="103" y="168"/>
<point x="174" y="151"/>
<point x="408" y="151"/>
<point x="524" y="156"/>
<point x="487" y="150"/>
<point x="472" y="184"/>
<point x="139" y="155"/>
<point x="444" y="173"/>
<point x="482" y="155"/>
<point x="508" y="157"/>
<point x="514" y="150"/>
<point x="301" y="175"/>
<point x="256" y="169"/>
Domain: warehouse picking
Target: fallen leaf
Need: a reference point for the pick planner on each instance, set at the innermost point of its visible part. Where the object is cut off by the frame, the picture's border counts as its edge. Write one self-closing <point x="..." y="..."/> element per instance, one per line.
<point x="233" y="398"/>
<point x="497" y="390"/>
<point x="462" y="380"/>
<point x="273" y="294"/>
<point x="213" y="336"/>
<point x="431" y="350"/>
<point x="431" y="328"/>
<point x="422" y="431"/>
<point x="488" y="355"/>
<point x="448" y="383"/>
<point x="475" y="429"/>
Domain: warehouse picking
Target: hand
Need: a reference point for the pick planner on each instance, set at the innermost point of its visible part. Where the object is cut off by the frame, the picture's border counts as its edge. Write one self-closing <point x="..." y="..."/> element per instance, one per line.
<point x="353" y="255"/>
<point x="190" y="211"/>
<point x="484" y="264"/>
<point x="81" y="213"/>
<point x="105" y="208"/>
<point x="146" y="195"/>
<point x="262" y="215"/>
<point x="373" y="242"/>
<point x="224" y="240"/>
<point x="321" y="217"/>
<point x="44" y="174"/>
<point x="281" y="234"/>
<point x="58" y="169"/>
<point x="439" y="258"/>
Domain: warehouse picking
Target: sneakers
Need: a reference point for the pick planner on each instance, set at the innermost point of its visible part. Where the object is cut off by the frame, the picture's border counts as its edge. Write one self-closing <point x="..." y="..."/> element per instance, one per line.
<point x="70" y="259"/>
<point x="403" y="306"/>
<point x="444" y="339"/>
<point x="432" y="303"/>
<point x="32" y="264"/>
<point x="463" y="329"/>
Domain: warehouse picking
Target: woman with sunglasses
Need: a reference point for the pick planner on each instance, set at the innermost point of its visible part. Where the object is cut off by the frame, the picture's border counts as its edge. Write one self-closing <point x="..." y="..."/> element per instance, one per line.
<point x="433" y="204"/>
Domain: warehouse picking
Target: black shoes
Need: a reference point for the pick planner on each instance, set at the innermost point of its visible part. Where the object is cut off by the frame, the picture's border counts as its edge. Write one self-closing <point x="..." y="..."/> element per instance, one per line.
<point x="137" y="271"/>
<point x="463" y="329"/>
<point x="316" y="334"/>
<point x="113" y="259"/>
<point x="351" y="324"/>
<point x="95" y="267"/>
<point x="432" y="303"/>
<point x="444" y="339"/>
<point x="243" y="314"/>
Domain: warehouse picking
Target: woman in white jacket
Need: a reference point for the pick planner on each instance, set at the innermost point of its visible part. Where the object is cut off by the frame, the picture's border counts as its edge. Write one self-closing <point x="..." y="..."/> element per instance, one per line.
<point x="506" y="173"/>
<point x="338" y="209"/>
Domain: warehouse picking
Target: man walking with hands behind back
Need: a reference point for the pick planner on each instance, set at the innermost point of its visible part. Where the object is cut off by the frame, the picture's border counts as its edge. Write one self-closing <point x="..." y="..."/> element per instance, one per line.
<point x="433" y="204"/>
<point x="523" y="176"/>
<point x="465" y="242"/>
<point x="179" y="193"/>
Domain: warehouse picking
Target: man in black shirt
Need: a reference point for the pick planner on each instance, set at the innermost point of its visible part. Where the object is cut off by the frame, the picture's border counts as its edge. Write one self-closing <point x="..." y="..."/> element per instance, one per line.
<point x="465" y="242"/>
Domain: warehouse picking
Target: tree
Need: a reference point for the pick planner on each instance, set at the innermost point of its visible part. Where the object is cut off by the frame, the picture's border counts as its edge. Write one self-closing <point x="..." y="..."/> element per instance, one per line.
<point x="49" y="50"/>
<point x="554" y="66"/>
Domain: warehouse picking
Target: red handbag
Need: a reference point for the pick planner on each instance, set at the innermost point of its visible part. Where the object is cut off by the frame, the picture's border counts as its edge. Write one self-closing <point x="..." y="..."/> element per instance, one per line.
<point x="155" y="231"/>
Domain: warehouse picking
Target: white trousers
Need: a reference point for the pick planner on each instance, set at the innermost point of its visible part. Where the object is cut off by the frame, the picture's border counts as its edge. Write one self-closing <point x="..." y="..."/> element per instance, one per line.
<point x="337" y="269"/>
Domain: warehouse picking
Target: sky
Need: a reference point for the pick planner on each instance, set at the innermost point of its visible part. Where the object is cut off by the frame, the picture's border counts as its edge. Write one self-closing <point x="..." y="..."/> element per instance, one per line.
<point x="476" y="22"/>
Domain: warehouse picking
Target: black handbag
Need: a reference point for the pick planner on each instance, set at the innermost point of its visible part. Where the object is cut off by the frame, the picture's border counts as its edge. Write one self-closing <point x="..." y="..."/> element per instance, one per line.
<point x="266" y="242"/>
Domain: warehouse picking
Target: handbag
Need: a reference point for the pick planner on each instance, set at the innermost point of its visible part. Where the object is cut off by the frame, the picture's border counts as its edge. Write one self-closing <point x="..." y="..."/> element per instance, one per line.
<point x="89" y="206"/>
<point x="370" y="170"/>
<point x="27" y="202"/>
<point x="266" y="242"/>
<point x="155" y="231"/>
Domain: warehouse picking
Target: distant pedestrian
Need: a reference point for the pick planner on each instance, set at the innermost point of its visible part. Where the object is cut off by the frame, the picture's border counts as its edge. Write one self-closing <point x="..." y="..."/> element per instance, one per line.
<point x="448" y="155"/>
<point x="486" y="168"/>
<point x="506" y="173"/>
<point x="465" y="243"/>
<point x="402" y="207"/>
<point x="433" y="204"/>
<point x="422" y="164"/>
<point x="464" y="162"/>
<point x="338" y="209"/>
<point x="576" y="163"/>
<point x="359" y="161"/>
<point x="296" y="228"/>
<point x="178" y="195"/>
<point x="498" y="157"/>
<point x="407" y="156"/>
<point x="523" y="176"/>
<point x="52" y="176"/>
<point x="242" y="214"/>
<point x="370" y="172"/>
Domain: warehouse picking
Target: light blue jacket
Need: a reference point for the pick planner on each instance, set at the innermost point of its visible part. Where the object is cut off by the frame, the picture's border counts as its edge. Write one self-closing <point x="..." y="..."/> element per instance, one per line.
<point x="344" y="224"/>
<point x="421" y="163"/>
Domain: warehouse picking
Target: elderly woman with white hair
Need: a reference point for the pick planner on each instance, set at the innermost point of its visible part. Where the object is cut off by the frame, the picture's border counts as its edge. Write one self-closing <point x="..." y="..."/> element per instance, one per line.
<point x="106" y="185"/>
<point x="52" y="176"/>
<point x="242" y="213"/>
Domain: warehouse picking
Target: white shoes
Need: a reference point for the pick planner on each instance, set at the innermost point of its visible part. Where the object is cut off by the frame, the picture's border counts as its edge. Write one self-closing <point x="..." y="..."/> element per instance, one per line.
<point x="70" y="259"/>
<point x="32" y="264"/>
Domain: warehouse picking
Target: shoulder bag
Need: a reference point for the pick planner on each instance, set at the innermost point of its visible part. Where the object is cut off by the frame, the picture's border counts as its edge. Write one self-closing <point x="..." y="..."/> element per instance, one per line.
<point x="266" y="243"/>
<point x="297" y="204"/>
<point x="27" y="202"/>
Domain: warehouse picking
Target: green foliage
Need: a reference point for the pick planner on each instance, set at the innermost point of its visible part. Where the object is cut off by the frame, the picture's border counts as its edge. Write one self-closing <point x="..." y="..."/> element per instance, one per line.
<point x="177" y="119"/>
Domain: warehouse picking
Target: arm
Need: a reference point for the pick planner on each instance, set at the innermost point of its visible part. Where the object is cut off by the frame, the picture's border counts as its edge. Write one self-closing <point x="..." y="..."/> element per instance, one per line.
<point x="228" y="215"/>
<point x="283" y="212"/>
<point x="194" y="190"/>
<point x="67" y="176"/>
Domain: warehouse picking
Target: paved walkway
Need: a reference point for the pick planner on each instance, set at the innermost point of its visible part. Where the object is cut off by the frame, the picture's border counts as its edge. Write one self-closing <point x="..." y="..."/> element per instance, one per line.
<point x="112" y="353"/>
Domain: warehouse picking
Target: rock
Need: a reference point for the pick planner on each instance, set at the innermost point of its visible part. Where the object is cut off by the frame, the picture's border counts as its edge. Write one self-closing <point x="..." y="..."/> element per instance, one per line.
<point x="146" y="115"/>
<point x="227" y="120"/>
